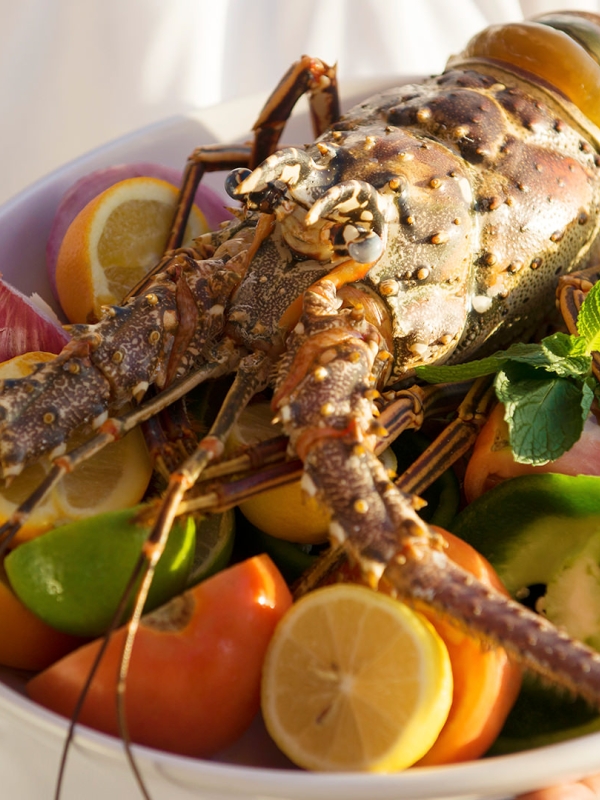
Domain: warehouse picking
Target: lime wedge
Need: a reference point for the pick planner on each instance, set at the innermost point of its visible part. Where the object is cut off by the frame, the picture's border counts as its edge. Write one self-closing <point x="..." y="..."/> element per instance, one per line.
<point x="541" y="534"/>
<point x="73" y="577"/>
<point x="527" y="526"/>
<point x="215" y="536"/>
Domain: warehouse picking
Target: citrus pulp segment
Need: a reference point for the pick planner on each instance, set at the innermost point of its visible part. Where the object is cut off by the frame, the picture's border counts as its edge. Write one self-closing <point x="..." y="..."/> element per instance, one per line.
<point x="114" y="241"/>
<point x="215" y="537"/>
<point x="355" y="680"/>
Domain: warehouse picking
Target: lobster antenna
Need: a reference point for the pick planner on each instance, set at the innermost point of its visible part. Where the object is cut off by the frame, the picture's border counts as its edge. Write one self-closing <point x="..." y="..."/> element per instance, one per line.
<point x="115" y="623"/>
<point x="252" y="376"/>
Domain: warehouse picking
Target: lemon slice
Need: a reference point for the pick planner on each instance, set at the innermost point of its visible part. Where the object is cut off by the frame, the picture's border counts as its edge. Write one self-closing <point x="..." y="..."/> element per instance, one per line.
<point x="114" y="241"/>
<point x="355" y="680"/>
<point x="285" y="512"/>
<point x="114" y="478"/>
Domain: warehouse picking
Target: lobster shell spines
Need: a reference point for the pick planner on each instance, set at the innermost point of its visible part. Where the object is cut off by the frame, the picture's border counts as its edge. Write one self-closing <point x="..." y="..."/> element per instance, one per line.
<point x="510" y="201"/>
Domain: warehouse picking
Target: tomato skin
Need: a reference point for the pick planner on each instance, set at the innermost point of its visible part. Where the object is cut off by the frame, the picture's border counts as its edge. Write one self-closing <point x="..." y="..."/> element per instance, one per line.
<point x="492" y="460"/>
<point x="194" y="679"/>
<point x="486" y="682"/>
<point x="25" y="641"/>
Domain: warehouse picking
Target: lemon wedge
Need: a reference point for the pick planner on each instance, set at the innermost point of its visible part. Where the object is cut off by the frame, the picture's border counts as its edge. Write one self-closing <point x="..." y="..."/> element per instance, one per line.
<point x="114" y="478"/>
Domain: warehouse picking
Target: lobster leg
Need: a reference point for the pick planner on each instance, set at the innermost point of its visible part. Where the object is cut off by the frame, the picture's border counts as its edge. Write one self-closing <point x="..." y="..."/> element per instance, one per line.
<point x="571" y="292"/>
<point x="453" y="442"/>
<point x="377" y="523"/>
<point x="114" y="428"/>
<point x="307" y="75"/>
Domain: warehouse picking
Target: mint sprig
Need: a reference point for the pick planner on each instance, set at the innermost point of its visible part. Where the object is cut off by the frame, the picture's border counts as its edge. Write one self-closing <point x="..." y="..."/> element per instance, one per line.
<point x="547" y="388"/>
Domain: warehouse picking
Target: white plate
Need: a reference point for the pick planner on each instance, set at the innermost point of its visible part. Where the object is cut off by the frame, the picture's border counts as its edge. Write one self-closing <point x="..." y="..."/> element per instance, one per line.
<point x="31" y="738"/>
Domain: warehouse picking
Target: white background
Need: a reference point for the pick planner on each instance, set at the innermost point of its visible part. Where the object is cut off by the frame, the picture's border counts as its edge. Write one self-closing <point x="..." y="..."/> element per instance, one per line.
<point x="77" y="73"/>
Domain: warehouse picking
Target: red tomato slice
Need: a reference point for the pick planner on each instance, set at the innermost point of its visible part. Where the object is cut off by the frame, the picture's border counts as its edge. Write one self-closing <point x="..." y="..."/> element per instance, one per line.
<point x="486" y="682"/>
<point x="25" y="641"/>
<point x="194" y="679"/>
<point x="492" y="460"/>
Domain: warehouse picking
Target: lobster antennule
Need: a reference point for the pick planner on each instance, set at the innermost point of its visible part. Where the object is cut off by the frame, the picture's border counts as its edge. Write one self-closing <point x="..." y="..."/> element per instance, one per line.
<point x="290" y="166"/>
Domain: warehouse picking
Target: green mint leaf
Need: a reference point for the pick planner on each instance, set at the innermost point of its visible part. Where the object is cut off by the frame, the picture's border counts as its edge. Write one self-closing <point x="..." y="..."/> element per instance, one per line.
<point x="588" y="392"/>
<point x="459" y="372"/>
<point x="567" y="355"/>
<point x="588" y="321"/>
<point x="528" y="353"/>
<point x="545" y="414"/>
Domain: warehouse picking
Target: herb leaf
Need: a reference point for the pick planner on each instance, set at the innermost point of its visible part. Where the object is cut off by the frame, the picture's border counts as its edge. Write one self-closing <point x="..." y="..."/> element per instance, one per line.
<point x="588" y="321"/>
<point x="547" y="388"/>
<point x="545" y="414"/>
<point x="567" y="355"/>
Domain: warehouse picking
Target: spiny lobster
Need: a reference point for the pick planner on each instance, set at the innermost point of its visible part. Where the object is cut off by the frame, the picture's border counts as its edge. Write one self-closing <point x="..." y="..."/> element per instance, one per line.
<point x="428" y="224"/>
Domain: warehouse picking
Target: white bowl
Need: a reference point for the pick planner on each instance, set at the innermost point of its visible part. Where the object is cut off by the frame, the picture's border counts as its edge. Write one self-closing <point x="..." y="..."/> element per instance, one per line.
<point x="31" y="738"/>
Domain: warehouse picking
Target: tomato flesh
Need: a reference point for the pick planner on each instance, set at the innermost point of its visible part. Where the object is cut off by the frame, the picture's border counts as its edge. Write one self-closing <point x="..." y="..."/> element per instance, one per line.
<point x="194" y="678"/>
<point x="486" y="682"/>
<point x="492" y="460"/>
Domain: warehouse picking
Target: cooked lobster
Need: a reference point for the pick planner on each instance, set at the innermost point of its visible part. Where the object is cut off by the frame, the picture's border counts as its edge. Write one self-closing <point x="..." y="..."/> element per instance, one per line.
<point x="428" y="224"/>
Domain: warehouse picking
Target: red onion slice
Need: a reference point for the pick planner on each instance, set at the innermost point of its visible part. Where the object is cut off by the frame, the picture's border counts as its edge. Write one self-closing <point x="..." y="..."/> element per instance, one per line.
<point x="26" y="324"/>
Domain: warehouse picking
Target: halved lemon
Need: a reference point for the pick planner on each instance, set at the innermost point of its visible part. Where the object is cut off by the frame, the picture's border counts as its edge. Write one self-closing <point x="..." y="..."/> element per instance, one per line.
<point x="355" y="680"/>
<point x="285" y="512"/>
<point x="114" y="241"/>
<point x="114" y="478"/>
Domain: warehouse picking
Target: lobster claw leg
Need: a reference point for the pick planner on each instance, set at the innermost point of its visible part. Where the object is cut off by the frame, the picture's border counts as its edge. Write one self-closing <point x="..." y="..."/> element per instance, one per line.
<point x="324" y="397"/>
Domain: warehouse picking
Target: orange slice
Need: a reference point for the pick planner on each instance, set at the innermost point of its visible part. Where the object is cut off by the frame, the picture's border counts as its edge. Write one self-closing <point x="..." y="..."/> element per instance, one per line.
<point x="114" y="241"/>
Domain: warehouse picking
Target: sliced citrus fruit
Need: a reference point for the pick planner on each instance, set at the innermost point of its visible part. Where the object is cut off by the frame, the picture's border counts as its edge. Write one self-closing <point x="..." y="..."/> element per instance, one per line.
<point x="114" y="478"/>
<point x="74" y="576"/>
<point x="355" y="680"/>
<point x="114" y="241"/>
<point x="286" y="512"/>
<point x="215" y="537"/>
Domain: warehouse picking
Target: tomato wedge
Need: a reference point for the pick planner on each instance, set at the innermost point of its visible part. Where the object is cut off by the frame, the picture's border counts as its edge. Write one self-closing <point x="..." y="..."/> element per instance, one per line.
<point x="492" y="460"/>
<point x="194" y="679"/>
<point x="25" y="641"/>
<point x="486" y="682"/>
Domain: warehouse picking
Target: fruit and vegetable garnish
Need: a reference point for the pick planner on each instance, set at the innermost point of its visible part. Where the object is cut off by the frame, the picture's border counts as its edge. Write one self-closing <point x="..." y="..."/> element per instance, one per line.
<point x="346" y="678"/>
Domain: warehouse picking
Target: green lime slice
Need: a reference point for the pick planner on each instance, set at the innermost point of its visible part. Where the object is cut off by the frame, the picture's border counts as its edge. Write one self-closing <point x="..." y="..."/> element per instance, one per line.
<point x="215" y="536"/>
<point x="542" y="716"/>
<point x="443" y="496"/>
<point x="291" y="558"/>
<point x="527" y="526"/>
<point x="541" y="533"/>
<point x="73" y="577"/>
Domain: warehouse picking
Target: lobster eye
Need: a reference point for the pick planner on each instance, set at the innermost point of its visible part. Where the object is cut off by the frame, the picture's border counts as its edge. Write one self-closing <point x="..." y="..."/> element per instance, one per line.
<point x="562" y="49"/>
<point x="366" y="251"/>
<point x="233" y="180"/>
